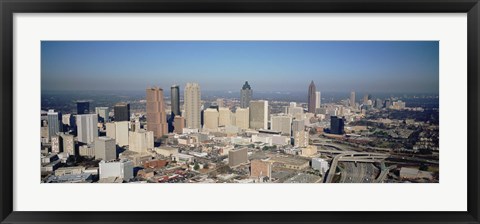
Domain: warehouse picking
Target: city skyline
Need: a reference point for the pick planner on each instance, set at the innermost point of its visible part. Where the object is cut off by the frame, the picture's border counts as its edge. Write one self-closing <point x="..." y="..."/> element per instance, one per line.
<point x="366" y="66"/>
<point x="245" y="134"/>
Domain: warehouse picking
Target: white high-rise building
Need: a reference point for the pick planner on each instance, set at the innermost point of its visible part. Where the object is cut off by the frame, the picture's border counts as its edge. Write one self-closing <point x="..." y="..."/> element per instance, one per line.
<point x="224" y="116"/>
<point x="318" y="99"/>
<point x="192" y="104"/>
<point x="105" y="148"/>
<point x="87" y="129"/>
<point x="121" y="132"/>
<point x="242" y="118"/>
<point x="282" y="124"/>
<point x="111" y="130"/>
<point x="140" y="141"/>
<point x="259" y="114"/>
<point x="103" y="113"/>
<point x="210" y="119"/>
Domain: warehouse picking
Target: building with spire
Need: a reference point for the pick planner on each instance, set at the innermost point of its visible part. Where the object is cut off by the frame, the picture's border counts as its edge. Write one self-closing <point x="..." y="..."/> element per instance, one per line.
<point x="245" y="95"/>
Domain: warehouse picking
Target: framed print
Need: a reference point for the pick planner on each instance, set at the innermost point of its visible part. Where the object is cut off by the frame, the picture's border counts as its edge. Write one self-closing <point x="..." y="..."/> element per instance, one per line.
<point x="246" y="112"/>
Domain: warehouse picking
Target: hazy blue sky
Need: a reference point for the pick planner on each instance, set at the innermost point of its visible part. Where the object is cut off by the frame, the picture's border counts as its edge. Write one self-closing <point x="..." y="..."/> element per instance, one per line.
<point x="373" y="66"/>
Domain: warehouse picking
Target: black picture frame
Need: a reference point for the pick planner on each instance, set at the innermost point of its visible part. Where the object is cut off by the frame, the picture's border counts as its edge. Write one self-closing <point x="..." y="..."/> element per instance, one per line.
<point x="9" y="7"/>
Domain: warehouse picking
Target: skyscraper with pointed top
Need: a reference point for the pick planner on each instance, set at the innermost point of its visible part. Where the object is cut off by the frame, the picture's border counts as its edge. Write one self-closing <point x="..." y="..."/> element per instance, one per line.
<point x="311" y="97"/>
<point x="245" y="95"/>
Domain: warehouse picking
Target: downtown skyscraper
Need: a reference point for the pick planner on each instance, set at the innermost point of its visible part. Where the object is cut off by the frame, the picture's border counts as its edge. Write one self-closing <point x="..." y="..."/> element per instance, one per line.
<point x="87" y="127"/>
<point x="311" y="97"/>
<point x="192" y="104"/>
<point x="245" y="95"/>
<point x="318" y="99"/>
<point x="54" y="123"/>
<point x="122" y="112"/>
<point x="83" y="107"/>
<point x="156" y="115"/>
<point x="175" y="99"/>
<point x="352" y="99"/>
<point x="259" y="114"/>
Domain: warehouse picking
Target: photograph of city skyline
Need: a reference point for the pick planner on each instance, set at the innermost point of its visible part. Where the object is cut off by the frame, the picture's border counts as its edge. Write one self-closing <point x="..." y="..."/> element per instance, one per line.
<point x="239" y="112"/>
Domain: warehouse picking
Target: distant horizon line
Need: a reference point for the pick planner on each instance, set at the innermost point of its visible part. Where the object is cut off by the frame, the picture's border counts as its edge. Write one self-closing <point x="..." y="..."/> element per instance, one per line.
<point x="258" y="91"/>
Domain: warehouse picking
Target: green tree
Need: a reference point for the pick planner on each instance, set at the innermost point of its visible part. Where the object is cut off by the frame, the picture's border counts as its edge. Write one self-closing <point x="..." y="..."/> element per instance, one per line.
<point x="196" y="167"/>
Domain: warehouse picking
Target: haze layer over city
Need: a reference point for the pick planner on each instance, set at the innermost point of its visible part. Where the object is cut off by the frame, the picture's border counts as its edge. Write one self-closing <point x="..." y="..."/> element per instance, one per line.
<point x="239" y="112"/>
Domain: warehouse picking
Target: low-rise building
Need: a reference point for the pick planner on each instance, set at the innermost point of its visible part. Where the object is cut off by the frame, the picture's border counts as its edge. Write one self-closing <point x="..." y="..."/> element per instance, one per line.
<point x="69" y="170"/>
<point x="122" y="169"/>
<point x="260" y="168"/>
<point x="320" y="165"/>
<point x="166" y="151"/>
<point x="237" y="157"/>
<point x="182" y="158"/>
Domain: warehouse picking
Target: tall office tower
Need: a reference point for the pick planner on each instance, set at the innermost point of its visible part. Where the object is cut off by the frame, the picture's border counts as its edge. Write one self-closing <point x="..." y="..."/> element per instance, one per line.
<point x="103" y="114"/>
<point x="336" y="125"/>
<point x="57" y="144"/>
<point x="111" y="130"/>
<point x="175" y="99"/>
<point x="301" y="138"/>
<point x="105" y="149"/>
<point x="352" y="100"/>
<point x="68" y="121"/>
<point x="210" y="119"/>
<point x="68" y="143"/>
<point x="366" y="98"/>
<point x="121" y="133"/>
<point x="87" y="127"/>
<point x="245" y="95"/>
<point x="156" y="115"/>
<point x="54" y="120"/>
<point x="318" y="99"/>
<point x="178" y="124"/>
<point x="242" y="120"/>
<point x="224" y="116"/>
<point x="282" y="124"/>
<point x="83" y="107"/>
<point x="258" y="114"/>
<point x="311" y="97"/>
<point x="135" y="124"/>
<point x="237" y="157"/>
<point x="192" y="104"/>
<point x="121" y="112"/>
<point x="298" y="125"/>
<point x="140" y="141"/>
